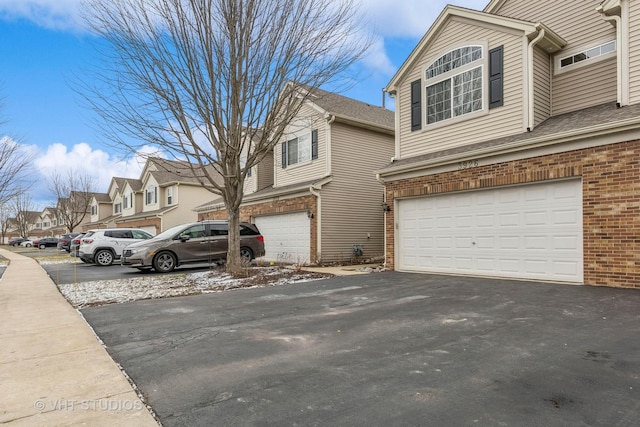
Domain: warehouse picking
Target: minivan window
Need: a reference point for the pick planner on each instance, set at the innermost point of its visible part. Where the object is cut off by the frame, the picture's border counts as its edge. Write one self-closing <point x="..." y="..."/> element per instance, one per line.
<point x="247" y="231"/>
<point x="195" y="231"/>
<point x="219" y="230"/>
<point x="139" y="234"/>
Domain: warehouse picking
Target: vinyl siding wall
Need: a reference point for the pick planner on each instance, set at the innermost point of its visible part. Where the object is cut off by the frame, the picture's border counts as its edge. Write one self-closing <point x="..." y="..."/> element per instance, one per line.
<point x="585" y="87"/>
<point x="582" y="27"/>
<point x="634" y="52"/>
<point x="351" y="202"/>
<point x="264" y="172"/>
<point x="542" y="86"/>
<point x="309" y="170"/>
<point x="502" y="121"/>
<point x="190" y="196"/>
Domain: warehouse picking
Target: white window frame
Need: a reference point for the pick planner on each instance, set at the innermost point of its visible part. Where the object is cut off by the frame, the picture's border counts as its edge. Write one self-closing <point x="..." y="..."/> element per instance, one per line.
<point x="480" y="63"/>
<point x="151" y="195"/>
<point x="94" y="210"/>
<point x="304" y="136"/>
<point x="170" y="198"/>
<point x="117" y="208"/>
<point x="591" y="56"/>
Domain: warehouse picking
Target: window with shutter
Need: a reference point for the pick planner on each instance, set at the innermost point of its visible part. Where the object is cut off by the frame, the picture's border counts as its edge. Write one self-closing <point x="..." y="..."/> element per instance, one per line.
<point x="416" y="105"/>
<point x="496" y="77"/>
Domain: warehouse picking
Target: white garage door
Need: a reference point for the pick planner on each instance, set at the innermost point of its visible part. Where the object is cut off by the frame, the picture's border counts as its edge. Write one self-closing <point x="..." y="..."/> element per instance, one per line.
<point x="287" y="237"/>
<point x="530" y="231"/>
<point x="151" y="229"/>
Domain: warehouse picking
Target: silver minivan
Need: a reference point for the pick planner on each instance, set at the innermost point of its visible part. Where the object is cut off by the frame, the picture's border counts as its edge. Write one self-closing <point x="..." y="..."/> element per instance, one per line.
<point x="205" y="241"/>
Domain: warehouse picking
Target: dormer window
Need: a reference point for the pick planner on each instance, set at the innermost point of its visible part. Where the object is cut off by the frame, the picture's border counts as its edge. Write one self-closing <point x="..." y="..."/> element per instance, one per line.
<point x="454" y="84"/>
<point x="593" y="54"/>
<point x="151" y="195"/>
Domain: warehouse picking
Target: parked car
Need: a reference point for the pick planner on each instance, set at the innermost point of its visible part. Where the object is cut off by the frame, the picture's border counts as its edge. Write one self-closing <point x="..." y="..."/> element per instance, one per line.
<point x="64" y="242"/>
<point x="103" y="246"/>
<point x="205" y="241"/>
<point x="46" y="242"/>
<point x="15" y="241"/>
<point x="26" y="243"/>
<point x="74" y="246"/>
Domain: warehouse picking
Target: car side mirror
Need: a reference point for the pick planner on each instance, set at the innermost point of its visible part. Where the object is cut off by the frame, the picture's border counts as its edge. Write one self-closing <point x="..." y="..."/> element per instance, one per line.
<point x="184" y="237"/>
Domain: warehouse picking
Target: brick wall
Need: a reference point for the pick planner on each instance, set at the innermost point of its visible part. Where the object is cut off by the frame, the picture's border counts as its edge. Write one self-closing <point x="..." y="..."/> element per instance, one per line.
<point x="297" y="204"/>
<point x="611" y="202"/>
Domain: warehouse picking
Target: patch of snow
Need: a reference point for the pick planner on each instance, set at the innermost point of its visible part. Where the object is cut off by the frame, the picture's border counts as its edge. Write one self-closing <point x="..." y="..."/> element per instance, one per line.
<point x="161" y="286"/>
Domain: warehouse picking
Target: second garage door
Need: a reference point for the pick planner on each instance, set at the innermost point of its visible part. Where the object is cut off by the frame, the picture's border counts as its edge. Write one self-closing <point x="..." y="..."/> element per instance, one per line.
<point x="287" y="237"/>
<point x="529" y="231"/>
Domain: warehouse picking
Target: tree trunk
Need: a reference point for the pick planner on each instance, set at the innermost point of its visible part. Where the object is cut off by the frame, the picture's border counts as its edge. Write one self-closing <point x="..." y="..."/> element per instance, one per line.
<point x="234" y="262"/>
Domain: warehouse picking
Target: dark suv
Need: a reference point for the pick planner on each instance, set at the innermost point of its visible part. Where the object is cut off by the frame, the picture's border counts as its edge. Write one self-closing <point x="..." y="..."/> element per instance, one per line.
<point x="205" y="241"/>
<point x="64" y="243"/>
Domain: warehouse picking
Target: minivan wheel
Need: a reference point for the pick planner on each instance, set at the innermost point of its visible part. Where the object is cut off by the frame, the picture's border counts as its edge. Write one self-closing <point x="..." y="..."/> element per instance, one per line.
<point x="246" y="254"/>
<point x="164" y="262"/>
<point x="103" y="258"/>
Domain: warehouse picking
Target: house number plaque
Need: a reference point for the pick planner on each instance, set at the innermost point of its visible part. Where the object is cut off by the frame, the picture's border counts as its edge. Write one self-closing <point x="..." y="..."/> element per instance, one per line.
<point x="467" y="165"/>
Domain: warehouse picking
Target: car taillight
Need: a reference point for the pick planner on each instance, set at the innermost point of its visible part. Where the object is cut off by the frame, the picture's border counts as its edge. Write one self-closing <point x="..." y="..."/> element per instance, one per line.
<point x="260" y="239"/>
<point x="87" y="241"/>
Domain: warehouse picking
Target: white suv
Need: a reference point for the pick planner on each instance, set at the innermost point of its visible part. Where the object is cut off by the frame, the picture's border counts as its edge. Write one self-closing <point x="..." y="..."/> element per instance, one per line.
<point x="105" y="245"/>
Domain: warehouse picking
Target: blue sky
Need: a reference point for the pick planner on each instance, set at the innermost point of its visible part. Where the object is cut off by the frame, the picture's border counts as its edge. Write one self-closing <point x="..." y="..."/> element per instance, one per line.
<point x="44" y="47"/>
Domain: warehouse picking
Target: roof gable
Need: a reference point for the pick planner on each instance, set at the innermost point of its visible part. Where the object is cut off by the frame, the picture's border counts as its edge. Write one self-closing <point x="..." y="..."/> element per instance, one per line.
<point x="551" y="42"/>
<point x="351" y="110"/>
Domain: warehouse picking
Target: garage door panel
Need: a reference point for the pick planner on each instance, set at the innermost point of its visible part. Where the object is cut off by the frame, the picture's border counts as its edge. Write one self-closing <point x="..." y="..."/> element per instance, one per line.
<point x="287" y="237"/>
<point x="530" y="231"/>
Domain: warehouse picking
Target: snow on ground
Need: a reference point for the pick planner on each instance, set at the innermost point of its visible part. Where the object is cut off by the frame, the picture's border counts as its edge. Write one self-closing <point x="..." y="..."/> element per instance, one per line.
<point x="160" y="286"/>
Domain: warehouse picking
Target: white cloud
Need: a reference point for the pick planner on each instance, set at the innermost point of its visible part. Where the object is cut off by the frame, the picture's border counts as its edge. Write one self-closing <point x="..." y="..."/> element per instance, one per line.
<point x="52" y="14"/>
<point x="84" y="159"/>
<point x="410" y="18"/>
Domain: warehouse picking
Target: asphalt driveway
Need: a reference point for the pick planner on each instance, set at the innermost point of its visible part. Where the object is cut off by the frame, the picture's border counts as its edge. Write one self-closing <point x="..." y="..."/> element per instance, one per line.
<point x="384" y="349"/>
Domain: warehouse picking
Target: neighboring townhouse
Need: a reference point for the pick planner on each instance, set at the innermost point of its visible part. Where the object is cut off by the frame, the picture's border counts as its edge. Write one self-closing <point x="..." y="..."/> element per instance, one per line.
<point x="164" y="196"/>
<point x="317" y="198"/>
<point x="518" y="144"/>
<point x="101" y="208"/>
<point x="46" y="223"/>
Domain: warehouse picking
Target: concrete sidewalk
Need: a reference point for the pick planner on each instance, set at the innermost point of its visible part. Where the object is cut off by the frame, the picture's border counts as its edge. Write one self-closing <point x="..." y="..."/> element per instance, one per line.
<point x="53" y="370"/>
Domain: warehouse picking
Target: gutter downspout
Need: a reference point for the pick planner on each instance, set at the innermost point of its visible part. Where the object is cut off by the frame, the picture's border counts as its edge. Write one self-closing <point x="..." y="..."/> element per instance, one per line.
<point x="618" y="21"/>
<point x="530" y="89"/>
<point x="315" y="191"/>
<point x="330" y="118"/>
<point x="384" y="222"/>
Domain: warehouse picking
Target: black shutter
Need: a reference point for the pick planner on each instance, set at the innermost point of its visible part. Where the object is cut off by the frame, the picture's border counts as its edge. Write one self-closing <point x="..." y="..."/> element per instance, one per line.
<point x="314" y="144"/>
<point x="495" y="77"/>
<point x="416" y="105"/>
<point x="284" y="155"/>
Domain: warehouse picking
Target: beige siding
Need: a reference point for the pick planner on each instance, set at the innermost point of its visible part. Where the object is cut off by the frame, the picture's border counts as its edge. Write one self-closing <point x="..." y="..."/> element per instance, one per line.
<point x="542" y="86"/>
<point x="189" y="197"/>
<point x="634" y="53"/>
<point x="575" y="20"/>
<point x="502" y="121"/>
<point x="582" y="27"/>
<point x="264" y="172"/>
<point x="585" y="87"/>
<point x="309" y="170"/>
<point x="351" y="202"/>
<point x="250" y="182"/>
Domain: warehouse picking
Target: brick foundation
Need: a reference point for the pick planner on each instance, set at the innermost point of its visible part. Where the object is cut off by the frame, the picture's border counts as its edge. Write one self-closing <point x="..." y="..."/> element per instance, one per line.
<point x="610" y="193"/>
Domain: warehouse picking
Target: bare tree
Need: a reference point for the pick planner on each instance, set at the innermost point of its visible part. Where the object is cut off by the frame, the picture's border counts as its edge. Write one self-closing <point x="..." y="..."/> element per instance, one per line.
<point x="15" y="161"/>
<point x="24" y="214"/>
<point x="215" y="82"/>
<point x="73" y="192"/>
<point x="5" y="223"/>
